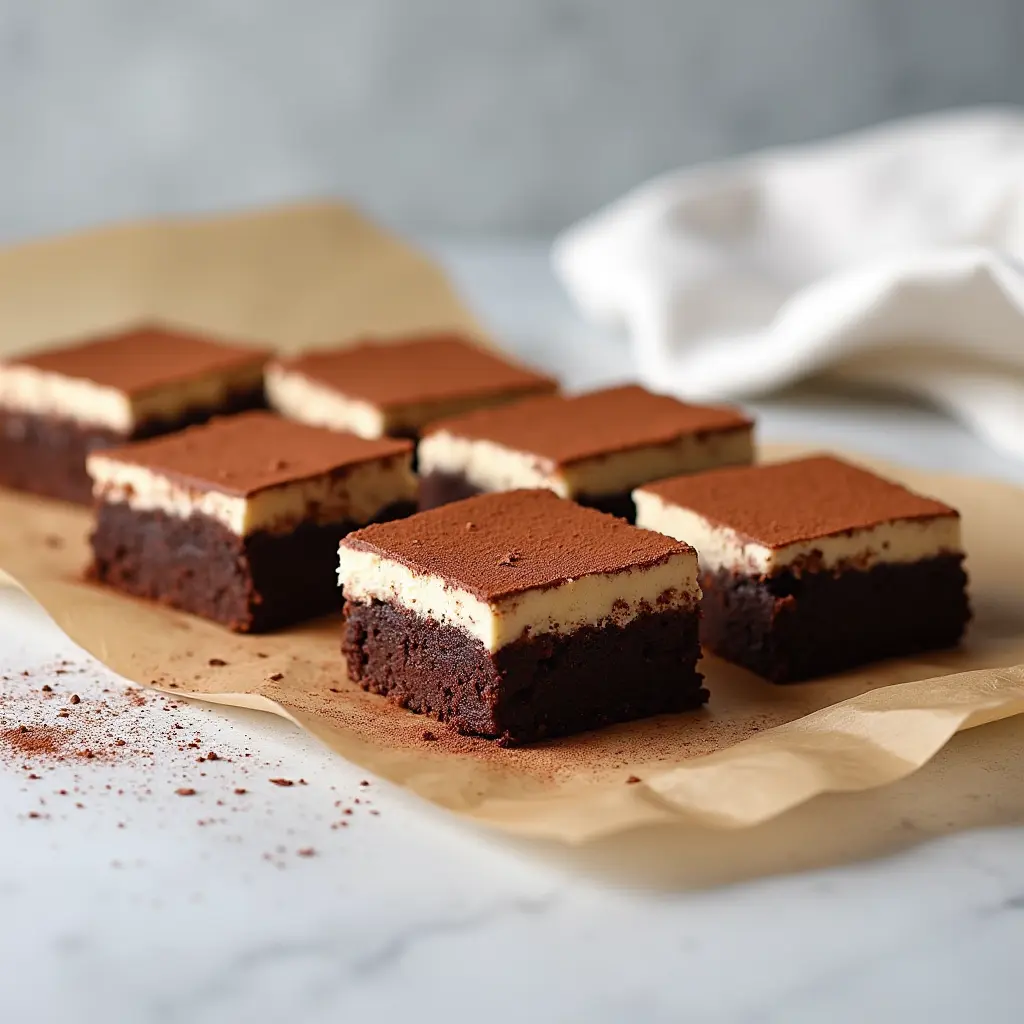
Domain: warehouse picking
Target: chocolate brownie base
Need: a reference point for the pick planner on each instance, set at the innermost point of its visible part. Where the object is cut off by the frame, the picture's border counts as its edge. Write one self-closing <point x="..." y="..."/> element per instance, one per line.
<point x="787" y="627"/>
<point x="535" y="688"/>
<point x="442" y="488"/>
<point x="46" y="454"/>
<point x="251" y="584"/>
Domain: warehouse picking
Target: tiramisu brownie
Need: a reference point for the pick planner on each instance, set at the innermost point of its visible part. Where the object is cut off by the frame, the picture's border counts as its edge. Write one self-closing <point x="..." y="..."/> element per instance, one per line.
<point x="522" y="616"/>
<point x="239" y="520"/>
<point x="815" y="566"/>
<point x="376" y="388"/>
<point x="57" y="406"/>
<point x="593" y="448"/>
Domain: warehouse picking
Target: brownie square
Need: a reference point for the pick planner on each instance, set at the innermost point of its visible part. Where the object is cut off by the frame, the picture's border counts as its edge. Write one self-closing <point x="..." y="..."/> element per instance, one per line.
<point x="59" y="405"/>
<point x="815" y="566"/>
<point x="239" y="520"/>
<point x="377" y="388"/>
<point x="594" y="448"/>
<point x="521" y="616"/>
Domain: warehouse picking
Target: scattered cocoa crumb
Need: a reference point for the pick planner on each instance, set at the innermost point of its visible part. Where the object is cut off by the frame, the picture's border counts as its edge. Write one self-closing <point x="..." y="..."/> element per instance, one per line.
<point x="185" y="791"/>
<point x="216" y="663"/>
<point x="212" y="756"/>
<point x="364" y="782"/>
<point x="75" y="699"/>
<point x="633" y="780"/>
<point x="510" y="559"/>
<point x="307" y="851"/>
<point x="34" y="814"/>
<point x="278" y="464"/>
<point x="333" y="689"/>
<point x="429" y="736"/>
<point x="47" y="688"/>
<point x="240" y="791"/>
<point x="470" y="526"/>
<point x="282" y="782"/>
<point x="33" y="776"/>
<point x="276" y="677"/>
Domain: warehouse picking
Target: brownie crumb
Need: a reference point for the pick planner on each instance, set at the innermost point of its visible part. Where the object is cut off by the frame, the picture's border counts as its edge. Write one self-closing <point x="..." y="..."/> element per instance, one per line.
<point x="510" y="559"/>
<point x="260" y="654"/>
<point x="240" y="791"/>
<point x="216" y="663"/>
<point x="364" y="782"/>
<point x="429" y="736"/>
<point x="633" y="780"/>
<point x="307" y="851"/>
<point x="185" y="791"/>
<point x="276" y="677"/>
<point x="282" y="782"/>
<point x="47" y="688"/>
<point x="75" y="699"/>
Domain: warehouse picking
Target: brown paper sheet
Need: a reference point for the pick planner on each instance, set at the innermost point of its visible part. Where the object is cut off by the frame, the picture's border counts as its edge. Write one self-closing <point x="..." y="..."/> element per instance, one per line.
<point x="310" y="275"/>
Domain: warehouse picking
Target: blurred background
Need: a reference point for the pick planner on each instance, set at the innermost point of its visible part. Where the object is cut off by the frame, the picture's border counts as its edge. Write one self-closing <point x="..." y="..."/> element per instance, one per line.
<point x="453" y="117"/>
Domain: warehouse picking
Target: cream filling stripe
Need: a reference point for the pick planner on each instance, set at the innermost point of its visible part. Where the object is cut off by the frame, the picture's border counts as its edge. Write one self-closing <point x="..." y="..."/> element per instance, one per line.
<point x="594" y="600"/>
<point x="358" y="494"/>
<point x="493" y="467"/>
<point x="900" y="541"/>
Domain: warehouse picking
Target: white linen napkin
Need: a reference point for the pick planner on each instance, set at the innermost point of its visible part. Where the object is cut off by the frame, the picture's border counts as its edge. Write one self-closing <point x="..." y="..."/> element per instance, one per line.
<point x="892" y="257"/>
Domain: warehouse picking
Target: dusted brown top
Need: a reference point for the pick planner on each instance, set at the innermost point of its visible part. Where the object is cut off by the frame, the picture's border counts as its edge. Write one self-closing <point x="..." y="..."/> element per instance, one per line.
<point x="144" y="358"/>
<point x="243" y="454"/>
<point x="566" y="429"/>
<point x="427" y="368"/>
<point x="786" y="502"/>
<point x="496" y="545"/>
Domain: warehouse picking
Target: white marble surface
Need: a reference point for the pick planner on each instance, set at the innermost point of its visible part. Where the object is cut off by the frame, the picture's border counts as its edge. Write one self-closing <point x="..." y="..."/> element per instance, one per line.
<point x="126" y="909"/>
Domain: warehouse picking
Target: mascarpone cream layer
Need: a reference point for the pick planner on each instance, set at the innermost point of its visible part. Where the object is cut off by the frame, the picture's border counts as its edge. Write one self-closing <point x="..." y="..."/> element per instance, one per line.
<point x="29" y="390"/>
<point x="358" y="494"/>
<point x="493" y="467"/>
<point x="596" y="600"/>
<point x="305" y="400"/>
<point x="718" y="547"/>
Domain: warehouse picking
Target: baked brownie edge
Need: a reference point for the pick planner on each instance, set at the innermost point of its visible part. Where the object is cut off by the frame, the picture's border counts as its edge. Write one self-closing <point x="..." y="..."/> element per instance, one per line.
<point x="788" y="627"/>
<point x="534" y="689"/>
<point x="46" y="455"/>
<point x="252" y="584"/>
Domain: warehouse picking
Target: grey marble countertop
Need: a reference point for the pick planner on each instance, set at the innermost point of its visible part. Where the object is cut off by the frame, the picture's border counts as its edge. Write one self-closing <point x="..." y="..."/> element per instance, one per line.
<point x="124" y="901"/>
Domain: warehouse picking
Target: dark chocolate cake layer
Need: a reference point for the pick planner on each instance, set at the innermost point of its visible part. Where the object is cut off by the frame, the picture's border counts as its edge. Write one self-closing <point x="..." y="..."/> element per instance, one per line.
<point x="789" y="627"/>
<point x="251" y="584"/>
<point x="46" y="454"/>
<point x="534" y="689"/>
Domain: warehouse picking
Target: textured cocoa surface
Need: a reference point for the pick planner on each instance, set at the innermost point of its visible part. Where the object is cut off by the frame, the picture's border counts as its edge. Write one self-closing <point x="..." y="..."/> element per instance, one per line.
<point x="258" y="450"/>
<point x="788" y="628"/>
<point x="418" y="369"/>
<point x="535" y="688"/>
<point x="786" y="502"/>
<point x="251" y="584"/>
<point x="566" y="429"/>
<point x="497" y="545"/>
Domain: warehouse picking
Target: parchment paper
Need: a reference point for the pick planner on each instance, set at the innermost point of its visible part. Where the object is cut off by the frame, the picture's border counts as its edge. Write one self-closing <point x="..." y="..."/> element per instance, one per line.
<point x="312" y="275"/>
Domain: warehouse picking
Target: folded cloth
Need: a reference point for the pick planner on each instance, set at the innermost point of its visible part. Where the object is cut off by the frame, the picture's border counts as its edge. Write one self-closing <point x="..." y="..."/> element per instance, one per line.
<point x="891" y="257"/>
